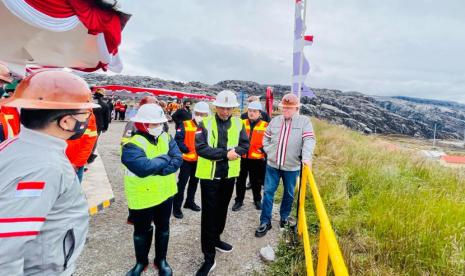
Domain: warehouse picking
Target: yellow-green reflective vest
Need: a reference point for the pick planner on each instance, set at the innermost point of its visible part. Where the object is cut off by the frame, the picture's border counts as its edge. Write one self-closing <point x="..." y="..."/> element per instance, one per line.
<point x="205" y="167"/>
<point x="145" y="192"/>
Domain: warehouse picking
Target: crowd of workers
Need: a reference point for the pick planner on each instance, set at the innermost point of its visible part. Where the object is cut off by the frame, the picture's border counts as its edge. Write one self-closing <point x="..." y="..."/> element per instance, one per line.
<point x="43" y="212"/>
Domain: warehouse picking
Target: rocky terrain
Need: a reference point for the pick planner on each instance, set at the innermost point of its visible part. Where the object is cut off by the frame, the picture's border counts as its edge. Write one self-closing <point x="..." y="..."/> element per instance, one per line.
<point x="368" y="114"/>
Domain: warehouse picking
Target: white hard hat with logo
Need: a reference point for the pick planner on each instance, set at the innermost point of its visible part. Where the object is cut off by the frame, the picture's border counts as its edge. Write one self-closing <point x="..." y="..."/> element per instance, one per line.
<point x="150" y="114"/>
<point x="255" y="105"/>
<point x="226" y="98"/>
<point x="202" y="107"/>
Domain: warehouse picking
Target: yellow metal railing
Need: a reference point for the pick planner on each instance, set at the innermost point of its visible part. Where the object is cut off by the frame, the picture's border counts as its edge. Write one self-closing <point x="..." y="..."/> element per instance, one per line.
<point x="328" y="246"/>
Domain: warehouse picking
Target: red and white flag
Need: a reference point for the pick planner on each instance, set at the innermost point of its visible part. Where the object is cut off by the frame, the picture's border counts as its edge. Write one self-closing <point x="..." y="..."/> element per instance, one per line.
<point x="29" y="189"/>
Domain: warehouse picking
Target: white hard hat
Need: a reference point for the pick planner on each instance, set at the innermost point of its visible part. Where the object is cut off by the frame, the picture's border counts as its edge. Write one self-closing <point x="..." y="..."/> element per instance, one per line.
<point x="202" y="107"/>
<point x="255" y="105"/>
<point x="150" y="114"/>
<point x="226" y="98"/>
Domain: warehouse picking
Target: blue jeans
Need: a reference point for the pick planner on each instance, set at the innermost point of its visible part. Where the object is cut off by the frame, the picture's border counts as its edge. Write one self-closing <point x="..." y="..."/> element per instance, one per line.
<point x="272" y="178"/>
<point x="80" y="173"/>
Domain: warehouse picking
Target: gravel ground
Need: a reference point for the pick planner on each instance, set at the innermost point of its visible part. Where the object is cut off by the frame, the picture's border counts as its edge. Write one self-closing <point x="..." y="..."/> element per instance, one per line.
<point x="109" y="250"/>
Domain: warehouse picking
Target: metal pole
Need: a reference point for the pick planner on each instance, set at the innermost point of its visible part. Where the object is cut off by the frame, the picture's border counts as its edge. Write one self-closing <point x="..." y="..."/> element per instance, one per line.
<point x="301" y="64"/>
<point x="434" y="136"/>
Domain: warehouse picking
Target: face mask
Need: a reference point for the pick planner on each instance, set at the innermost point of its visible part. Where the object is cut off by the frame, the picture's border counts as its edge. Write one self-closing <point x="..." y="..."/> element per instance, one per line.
<point x="198" y="119"/>
<point x="156" y="131"/>
<point x="188" y="107"/>
<point x="79" y="129"/>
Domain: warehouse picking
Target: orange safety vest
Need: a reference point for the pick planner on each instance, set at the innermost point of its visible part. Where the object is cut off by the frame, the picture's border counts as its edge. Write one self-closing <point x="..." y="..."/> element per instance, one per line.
<point x="12" y="117"/>
<point x="189" y="140"/>
<point x="256" y="139"/>
<point x="7" y="131"/>
<point x="79" y="150"/>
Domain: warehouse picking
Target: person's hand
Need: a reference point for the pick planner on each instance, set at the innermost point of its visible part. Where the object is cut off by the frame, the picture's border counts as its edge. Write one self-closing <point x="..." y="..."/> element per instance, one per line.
<point x="232" y="155"/>
<point x="308" y="163"/>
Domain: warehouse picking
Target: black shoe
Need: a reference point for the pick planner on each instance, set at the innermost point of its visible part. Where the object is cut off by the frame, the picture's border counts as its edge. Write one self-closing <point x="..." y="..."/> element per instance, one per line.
<point x="206" y="268"/>
<point x="142" y="244"/>
<point x="161" y="248"/>
<point x="283" y="224"/>
<point x="224" y="247"/>
<point x="262" y="229"/>
<point x="258" y="204"/>
<point x="178" y="214"/>
<point x="237" y="206"/>
<point x="163" y="268"/>
<point x="248" y="186"/>
<point x="191" y="205"/>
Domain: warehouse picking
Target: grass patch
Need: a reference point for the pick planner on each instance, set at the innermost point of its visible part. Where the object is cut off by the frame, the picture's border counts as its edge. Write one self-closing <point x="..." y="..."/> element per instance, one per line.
<point x="393" y="213"/>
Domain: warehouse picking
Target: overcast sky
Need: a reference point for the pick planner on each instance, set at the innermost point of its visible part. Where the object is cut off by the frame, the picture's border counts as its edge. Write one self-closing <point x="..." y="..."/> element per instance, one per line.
<point x="414" y="48"/>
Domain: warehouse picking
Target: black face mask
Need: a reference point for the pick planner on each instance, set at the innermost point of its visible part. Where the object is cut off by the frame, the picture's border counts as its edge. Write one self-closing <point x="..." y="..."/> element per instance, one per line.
<point x="79" y="129"/>
<point x="188" y="107"/>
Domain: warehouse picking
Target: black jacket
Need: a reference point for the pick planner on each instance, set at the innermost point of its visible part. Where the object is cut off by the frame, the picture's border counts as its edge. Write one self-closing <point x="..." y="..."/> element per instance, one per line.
<point x="180" y="116"/>
<point x="102" y="115"/>
<point x="221" y="151"/>
<point x="265" y="116"/>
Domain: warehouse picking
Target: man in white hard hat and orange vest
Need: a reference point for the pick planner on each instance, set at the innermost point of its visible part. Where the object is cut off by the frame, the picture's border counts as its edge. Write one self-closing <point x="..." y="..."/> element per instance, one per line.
<point x="253" y="163"/>
<point x="43" y="212"/>
<point x="185" y="138"/>
<point x="220" y="142"/>
<point x="289" y="142"/>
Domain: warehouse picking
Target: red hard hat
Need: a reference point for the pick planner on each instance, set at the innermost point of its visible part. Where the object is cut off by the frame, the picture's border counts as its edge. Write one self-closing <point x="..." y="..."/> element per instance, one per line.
<point x="52" y="90"/>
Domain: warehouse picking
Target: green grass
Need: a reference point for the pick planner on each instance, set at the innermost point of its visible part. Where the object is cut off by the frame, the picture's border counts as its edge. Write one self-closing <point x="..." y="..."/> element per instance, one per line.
<point x="393" y="213"/>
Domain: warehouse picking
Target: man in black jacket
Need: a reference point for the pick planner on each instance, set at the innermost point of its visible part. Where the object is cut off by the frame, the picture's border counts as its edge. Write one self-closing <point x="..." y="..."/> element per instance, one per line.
<point x="219" y="143"/>
<point x="102" y="118"/>
<point x="182" y="114"/>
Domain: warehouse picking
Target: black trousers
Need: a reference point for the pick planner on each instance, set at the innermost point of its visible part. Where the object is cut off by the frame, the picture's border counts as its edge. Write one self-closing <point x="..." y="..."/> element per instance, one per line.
<point x="159" y="215"/>
<point x="186" y="173"/>
<point x="122" y="115"/>
<point x="255" y="169"/>
<point x="216" y="195"/>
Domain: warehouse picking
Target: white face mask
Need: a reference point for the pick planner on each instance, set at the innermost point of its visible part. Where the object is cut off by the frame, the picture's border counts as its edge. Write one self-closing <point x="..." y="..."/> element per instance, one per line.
<point x="156" y="131"/>
<point x="198" y="119"/>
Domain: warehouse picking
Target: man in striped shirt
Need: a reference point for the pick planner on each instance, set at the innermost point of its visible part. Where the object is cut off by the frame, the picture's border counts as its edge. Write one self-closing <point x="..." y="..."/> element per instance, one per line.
<point x="289" y="142"/>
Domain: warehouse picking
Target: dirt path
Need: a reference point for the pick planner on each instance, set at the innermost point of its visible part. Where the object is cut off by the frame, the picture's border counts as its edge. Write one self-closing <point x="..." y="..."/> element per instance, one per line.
<point x="109" y="250"/>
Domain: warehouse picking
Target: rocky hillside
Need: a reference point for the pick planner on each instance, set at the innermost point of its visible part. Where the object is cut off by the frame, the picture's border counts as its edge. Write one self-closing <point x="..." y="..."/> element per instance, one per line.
<point x="369" y="114"/>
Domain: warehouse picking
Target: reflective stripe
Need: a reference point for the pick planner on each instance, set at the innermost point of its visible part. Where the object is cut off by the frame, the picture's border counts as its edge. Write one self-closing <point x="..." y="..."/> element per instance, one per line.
<point x="16" y="227"/>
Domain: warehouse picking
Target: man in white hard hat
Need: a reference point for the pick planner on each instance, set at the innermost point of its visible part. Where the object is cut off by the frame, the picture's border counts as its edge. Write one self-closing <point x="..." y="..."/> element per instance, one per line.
<point x="150" y="158"/>
<point x="253" y="163"/>
<point x="219" y="143"/>
<point x="185" y="138"/>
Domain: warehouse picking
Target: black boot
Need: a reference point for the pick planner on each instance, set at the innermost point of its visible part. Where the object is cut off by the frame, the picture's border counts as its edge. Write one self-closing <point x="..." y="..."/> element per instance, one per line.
<point x="161" y="248"/>
<point x="142" y="244"/>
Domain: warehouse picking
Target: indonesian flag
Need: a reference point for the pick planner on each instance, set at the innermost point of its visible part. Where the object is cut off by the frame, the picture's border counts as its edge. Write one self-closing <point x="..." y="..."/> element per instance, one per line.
<point x="301" y="66"/>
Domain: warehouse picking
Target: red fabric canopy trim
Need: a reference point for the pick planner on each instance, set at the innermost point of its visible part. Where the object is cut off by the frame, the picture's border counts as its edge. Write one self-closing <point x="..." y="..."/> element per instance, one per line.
<point x="94" y="18"/>
<point x="155" y="91"/>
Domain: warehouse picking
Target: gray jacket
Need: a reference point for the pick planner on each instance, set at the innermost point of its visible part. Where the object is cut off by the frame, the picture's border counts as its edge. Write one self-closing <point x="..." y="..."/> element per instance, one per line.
<point x="287" y="143"/>
<point x="43" y="212"/>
